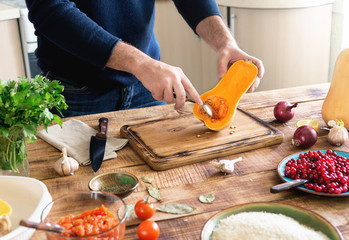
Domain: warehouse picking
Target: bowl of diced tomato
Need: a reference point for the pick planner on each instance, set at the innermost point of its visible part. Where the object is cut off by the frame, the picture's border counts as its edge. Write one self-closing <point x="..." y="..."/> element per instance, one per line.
<point x="87" y="215"/>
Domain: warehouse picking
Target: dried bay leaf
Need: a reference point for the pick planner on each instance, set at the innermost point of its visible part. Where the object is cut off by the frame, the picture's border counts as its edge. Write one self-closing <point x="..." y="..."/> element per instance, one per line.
<point x="154" y="192"/>
<point x="176" y="208"/>
<point x="207" y="198"/>
<point x="147" y="179"/>
<point x="130" y="211"/>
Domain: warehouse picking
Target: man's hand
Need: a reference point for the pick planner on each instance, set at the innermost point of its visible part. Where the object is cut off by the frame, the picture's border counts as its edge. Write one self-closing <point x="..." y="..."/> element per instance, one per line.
<point x="161" y="79"/>
<point x="230" y="54"/>
<point x="213" y="30"/>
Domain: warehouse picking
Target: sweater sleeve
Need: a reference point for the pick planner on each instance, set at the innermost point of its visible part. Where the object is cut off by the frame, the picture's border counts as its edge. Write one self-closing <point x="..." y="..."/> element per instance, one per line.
<point x="193" y="11"/>
<point x="63" y="24"/>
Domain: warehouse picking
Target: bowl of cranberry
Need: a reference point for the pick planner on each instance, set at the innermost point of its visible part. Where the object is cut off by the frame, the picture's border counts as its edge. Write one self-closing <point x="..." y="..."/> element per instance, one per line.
<point x="326" y="171"/>
<point x="87" y="215"/>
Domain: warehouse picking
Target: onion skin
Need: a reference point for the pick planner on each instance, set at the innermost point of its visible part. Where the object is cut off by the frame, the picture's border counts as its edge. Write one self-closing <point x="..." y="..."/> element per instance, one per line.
<point x="284" y="111"/>
<point x="304" y="137"/>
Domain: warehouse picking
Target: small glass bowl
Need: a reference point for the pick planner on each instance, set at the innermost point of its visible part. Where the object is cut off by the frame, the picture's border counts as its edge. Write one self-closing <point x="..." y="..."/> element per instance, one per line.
<point x="122" y="184"/>
<point x="77" y="203"/>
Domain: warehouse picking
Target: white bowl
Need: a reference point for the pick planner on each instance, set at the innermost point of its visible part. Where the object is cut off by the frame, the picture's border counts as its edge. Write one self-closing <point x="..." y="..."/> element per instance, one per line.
<point x="306" y="217"/>
<point x="27" y="197"/>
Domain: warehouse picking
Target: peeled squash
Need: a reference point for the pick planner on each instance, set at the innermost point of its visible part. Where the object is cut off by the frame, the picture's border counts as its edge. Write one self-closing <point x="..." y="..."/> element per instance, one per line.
<point x="225" y="96"/>
<point x="336" y="104"/>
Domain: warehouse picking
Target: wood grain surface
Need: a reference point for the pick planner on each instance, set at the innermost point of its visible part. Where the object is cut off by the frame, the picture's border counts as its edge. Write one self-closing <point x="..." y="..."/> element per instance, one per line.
<point x="182" y="140"/>
<point x="250" y="182"/>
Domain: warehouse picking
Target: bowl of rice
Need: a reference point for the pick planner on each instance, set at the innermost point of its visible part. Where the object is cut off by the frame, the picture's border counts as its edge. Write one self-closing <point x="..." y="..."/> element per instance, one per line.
<point x="268" y="220"/>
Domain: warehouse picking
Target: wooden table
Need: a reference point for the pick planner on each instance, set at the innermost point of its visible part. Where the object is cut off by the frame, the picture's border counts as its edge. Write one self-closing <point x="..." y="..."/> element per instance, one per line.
<point x="250" y="182"/>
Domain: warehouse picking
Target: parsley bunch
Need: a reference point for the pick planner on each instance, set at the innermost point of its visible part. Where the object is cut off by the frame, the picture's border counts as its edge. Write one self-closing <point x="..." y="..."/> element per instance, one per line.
<point x="24" y="106"/>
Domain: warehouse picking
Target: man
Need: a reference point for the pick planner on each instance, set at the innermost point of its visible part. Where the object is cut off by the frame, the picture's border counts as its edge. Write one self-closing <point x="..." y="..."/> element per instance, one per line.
<point x="106" y="55"/>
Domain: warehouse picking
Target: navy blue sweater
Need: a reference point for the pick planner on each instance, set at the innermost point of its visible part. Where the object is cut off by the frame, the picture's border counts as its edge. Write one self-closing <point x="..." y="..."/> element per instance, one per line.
<point x="76" y="38"/>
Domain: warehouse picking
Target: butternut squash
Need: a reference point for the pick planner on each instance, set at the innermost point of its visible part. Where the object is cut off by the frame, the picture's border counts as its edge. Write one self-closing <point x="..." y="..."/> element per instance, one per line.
<point x="225" y="96"/>
<point x="336" y="104"/>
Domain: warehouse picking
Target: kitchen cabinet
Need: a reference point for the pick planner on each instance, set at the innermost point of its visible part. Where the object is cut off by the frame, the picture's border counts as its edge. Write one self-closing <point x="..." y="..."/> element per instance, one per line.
<point x="291" y="37"/>
<point x="11" y="58"/>
<point x="181" y="47"/>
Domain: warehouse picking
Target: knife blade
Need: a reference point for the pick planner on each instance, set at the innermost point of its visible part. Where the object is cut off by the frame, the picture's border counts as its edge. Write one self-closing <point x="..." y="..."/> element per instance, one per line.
<point x="97" y="144"/>
<point x="204" y="106"/>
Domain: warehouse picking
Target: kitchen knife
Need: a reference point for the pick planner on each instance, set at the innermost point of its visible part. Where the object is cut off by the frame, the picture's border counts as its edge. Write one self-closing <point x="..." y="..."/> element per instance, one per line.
<point x="97" y="145"/>
<point x="287" y="185"/>
<point x="206" y="107"/>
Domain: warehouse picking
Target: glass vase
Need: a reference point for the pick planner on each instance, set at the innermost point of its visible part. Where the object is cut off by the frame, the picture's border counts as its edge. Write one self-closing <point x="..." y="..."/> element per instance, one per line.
<point x="13" y="154"/>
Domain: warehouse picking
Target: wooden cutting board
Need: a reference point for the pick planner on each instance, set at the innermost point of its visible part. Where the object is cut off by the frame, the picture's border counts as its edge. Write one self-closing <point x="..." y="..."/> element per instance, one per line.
<point x="174" y="142"/>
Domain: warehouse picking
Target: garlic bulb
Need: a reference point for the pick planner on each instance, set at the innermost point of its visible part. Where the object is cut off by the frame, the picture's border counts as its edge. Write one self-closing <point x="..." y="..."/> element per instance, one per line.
<point x="338" y="133"/>
<point x="226" y="166"/>
<point x="5" y="224"/>
<point x="66" y="165"/>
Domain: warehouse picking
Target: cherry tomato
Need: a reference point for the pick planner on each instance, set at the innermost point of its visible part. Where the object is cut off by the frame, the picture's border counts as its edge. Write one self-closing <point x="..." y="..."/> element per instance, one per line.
<point x="144" y="209"/>
<point x="148" y="230"/>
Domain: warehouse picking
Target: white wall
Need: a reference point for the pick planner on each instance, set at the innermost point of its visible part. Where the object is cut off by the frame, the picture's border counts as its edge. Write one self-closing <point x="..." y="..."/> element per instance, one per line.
<point x="341" y="7"/>
<point x="340" y="31"/>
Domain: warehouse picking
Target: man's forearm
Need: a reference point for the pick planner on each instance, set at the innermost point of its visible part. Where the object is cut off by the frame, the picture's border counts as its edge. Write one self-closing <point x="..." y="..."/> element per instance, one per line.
<point x="125" y="57"/>
<point x="213" y="30"/>
<point x="159" y="78"/>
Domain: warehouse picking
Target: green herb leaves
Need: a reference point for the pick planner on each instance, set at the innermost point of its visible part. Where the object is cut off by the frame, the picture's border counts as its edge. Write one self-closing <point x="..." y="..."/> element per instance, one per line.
<point x="25" y="104"/>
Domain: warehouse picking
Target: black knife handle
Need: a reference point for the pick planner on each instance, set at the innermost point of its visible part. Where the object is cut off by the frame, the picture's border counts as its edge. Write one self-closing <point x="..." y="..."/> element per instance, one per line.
<point x="103" y="128"/>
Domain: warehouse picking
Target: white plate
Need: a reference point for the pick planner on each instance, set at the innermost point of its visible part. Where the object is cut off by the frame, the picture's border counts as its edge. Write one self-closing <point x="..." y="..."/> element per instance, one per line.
<point x="27" y="197"/>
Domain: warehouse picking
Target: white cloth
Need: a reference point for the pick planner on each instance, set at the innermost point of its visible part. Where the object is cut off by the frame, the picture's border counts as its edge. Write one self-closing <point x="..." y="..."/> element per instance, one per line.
<point x="75" y="136"/>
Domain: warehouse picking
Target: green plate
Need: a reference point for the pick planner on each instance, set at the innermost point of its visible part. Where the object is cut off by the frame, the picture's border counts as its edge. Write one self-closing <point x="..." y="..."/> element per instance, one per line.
<point x="304" y="216"/>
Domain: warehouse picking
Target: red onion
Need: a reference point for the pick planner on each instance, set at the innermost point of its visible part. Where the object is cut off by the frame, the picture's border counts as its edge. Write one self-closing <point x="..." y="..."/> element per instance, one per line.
<point x="304" y="137"/>
<point x="283" y="111"/>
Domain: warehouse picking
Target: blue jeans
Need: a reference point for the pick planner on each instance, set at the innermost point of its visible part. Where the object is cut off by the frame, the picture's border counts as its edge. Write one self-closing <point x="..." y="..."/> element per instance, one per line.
<point x="82" y="100"/>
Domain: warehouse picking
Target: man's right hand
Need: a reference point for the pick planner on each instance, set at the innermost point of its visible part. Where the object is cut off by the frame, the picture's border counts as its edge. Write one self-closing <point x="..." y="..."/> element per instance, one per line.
<point x="161" y="79"/>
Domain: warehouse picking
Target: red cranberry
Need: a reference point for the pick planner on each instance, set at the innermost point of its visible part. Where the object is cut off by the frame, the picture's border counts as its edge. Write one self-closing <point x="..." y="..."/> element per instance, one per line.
<point x="327" y="171"/>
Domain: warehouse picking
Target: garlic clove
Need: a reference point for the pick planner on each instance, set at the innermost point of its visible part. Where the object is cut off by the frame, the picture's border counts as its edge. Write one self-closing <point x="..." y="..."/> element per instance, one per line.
<point x="228" y="168"/>
<point x="66" y="165"/>
<point x="332" y="123"/>
<point x="225" y="165"/>
<point x="338" y="134"/>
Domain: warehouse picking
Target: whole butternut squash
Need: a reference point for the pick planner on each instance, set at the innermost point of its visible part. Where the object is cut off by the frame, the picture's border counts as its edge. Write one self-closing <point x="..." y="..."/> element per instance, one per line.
<point x="336" y="104"/>
<point x="225" y="96"/>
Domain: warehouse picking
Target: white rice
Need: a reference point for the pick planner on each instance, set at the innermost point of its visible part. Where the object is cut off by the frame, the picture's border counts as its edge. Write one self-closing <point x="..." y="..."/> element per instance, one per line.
<point x="263" y="225"/>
